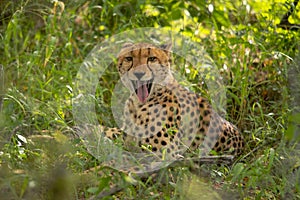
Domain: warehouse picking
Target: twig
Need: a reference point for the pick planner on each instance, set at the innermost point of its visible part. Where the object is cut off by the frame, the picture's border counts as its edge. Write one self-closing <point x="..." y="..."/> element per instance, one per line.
<point x="224" y="159"/>
<point x="103" y="194"/>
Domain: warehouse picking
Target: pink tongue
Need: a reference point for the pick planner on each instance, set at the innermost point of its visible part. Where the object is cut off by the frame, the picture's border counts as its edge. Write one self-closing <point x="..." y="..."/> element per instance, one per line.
<point x="142" y="92"/>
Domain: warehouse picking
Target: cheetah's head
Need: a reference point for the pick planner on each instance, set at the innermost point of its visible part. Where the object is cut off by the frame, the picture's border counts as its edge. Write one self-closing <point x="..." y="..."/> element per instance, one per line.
<point x="143" y="66"/>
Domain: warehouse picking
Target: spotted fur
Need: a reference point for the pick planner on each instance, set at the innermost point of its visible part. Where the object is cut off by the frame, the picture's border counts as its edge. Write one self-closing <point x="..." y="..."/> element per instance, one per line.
<point x="163" y="116"/>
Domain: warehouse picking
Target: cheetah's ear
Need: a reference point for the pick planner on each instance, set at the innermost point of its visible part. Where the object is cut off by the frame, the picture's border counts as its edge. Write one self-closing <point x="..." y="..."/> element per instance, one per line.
<point x="167" y="47"/>
<point x="127" y="44"/>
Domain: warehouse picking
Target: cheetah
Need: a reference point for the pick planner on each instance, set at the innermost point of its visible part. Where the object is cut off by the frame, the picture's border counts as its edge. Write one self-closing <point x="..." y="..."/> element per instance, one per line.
<point x="161" y="115"/>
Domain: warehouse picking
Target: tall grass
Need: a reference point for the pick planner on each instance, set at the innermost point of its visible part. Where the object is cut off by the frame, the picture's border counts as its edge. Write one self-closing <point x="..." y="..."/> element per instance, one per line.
<point x="42" y="46"/>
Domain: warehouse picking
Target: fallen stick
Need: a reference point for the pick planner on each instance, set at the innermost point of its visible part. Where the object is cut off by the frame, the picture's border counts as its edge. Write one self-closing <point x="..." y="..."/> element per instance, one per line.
<point x="223" y="159"/>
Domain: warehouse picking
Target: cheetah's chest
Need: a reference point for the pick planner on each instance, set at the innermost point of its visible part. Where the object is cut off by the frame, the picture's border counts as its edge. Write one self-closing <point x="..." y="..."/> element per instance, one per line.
<point x="166" y="120"/>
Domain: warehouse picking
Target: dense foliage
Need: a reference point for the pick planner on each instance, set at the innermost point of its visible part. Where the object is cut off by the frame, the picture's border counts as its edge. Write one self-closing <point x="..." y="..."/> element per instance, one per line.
<point x="43" y="44"/>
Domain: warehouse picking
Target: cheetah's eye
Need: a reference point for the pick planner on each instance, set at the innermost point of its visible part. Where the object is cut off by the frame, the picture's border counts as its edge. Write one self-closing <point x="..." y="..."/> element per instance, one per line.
<point x="152" y="59"/>
<point x="128" y="59"/>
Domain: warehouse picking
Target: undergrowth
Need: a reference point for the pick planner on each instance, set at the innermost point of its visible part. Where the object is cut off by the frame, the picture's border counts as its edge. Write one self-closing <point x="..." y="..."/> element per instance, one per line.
<point x="43" y="44"/>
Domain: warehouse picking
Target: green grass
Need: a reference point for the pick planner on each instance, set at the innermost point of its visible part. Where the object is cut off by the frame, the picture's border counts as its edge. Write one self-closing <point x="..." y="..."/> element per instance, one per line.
<point x="43" y="44"/>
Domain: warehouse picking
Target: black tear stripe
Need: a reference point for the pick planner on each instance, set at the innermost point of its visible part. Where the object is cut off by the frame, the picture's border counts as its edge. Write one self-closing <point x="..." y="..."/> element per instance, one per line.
<point x="130" y="67"/>
<point x="150" y="69"/>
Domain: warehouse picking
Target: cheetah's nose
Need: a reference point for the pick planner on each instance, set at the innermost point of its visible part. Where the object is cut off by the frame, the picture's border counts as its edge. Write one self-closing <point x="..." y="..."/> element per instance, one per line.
<point x="139" y="75"/>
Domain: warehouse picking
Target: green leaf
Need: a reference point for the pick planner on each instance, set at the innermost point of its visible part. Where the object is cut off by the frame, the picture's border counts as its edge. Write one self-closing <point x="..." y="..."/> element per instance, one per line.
<point x="93" y="190"/>
<point x="104" y="183"/>
<point x="237" y="171"/>
<point x="221" y="18"/>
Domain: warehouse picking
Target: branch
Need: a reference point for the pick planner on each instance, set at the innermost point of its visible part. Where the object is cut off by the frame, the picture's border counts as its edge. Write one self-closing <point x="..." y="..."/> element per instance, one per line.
<point x="224" y="159"/>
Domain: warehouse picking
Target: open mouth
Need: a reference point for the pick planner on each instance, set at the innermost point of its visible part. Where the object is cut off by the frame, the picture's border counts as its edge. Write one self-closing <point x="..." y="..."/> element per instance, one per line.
<point x="142" y="89"/>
